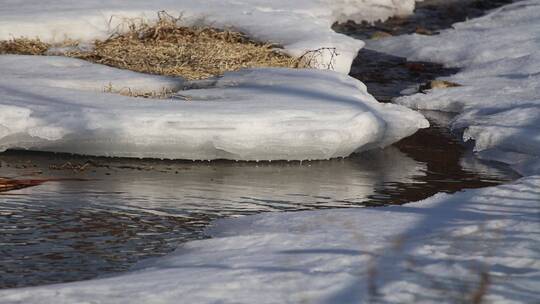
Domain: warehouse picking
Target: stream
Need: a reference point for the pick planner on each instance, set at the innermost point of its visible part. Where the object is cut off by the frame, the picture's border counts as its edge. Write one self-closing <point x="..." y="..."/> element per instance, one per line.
<point x="99" y="216"/>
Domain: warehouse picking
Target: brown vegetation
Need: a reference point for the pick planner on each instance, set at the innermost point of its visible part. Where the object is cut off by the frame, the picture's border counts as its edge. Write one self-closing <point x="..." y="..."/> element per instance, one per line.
<point x="14" y="184"/>
<point x="169" y="48"/>
<point x="23" y="46"/>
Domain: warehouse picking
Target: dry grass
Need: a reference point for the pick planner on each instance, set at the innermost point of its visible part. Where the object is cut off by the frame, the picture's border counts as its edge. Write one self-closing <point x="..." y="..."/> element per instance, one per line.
<point x="23" y="46"/>
<point x="169" y="48"/>
<point x="126" y="91"/>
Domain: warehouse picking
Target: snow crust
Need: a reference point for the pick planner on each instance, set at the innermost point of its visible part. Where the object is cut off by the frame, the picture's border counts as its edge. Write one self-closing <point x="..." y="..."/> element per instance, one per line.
<point x="299" y="26"/>
<point x="435" y="250"/>
<point x="438" y="250"/>
<point x="56" y="104"/>
<point x="499" y="102"/>
<point x="69" y="73"/>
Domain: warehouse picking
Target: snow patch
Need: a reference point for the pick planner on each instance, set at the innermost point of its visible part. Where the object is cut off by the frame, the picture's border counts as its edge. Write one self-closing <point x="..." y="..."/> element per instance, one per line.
<point x="439" y="249"/>
<point x="56" y="104"/>
<point x="299" y="26"/>
<point x="498" y="101"/>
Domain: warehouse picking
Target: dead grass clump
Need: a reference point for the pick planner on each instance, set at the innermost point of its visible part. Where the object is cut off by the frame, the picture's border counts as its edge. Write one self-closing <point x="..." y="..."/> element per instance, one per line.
<point x="170" y="48"/>
<point x="23" y="46"/>
<point x="126" y="91"/>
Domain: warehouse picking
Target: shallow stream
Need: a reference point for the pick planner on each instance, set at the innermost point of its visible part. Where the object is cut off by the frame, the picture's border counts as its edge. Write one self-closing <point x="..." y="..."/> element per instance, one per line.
<point x="99" y="216"/>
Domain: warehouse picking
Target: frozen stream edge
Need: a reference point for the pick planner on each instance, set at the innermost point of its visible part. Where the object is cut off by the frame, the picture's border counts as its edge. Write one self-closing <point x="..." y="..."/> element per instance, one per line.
<point x="395" y="254"/>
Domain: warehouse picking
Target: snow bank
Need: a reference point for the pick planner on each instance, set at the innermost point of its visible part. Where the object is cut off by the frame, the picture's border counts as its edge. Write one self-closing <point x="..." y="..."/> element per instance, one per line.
<point x="264" y="114"/>
<point x="53" y="103"/>
<point x="299" y="26"/>
<point x="63" y="73"/>
<point x="435" y="250"/>
<point x="499" y="101"/>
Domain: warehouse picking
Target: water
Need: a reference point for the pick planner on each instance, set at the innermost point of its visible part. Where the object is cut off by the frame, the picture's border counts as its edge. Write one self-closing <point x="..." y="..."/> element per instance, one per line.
<point x="120" y="211"/>
<point x="430" y="17"/>
<point x="100" y="216"/>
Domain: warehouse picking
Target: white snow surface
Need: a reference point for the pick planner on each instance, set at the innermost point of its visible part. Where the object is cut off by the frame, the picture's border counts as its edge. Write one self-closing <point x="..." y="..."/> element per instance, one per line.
<point x="436" y="250"/>
<point x="299" y="26"/>
<point x="499" y="102"/>
<point x="56" y="104"/>
<point x="443" y="249"/>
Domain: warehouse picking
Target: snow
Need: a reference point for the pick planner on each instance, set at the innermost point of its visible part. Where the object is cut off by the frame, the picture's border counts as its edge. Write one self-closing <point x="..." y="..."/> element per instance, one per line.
<point x="442" y="249"/>
<point x="432" y="250"/>
<point x="57" y="104"/>
<point x="298" y="26"/>
<point x="67" y="73"/>
<point x="264" y="114"/>
<point x="499" y="100"/>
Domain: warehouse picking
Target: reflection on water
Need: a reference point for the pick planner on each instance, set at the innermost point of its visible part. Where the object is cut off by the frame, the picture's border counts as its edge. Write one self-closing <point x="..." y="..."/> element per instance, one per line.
<point x="429" y="18"/>
<point x="125" y="210"/>
<point x="121" y="211"/>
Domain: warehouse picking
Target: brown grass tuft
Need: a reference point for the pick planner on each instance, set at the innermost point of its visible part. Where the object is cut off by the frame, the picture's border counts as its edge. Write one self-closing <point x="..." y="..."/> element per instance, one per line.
<point x="126" y="91"/>
<point x="23" y="46"/>
<point x="169" y="48"/>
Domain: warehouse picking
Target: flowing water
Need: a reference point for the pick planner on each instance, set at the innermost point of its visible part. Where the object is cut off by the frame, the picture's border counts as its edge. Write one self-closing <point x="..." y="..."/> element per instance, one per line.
<point x="98" y="216"/>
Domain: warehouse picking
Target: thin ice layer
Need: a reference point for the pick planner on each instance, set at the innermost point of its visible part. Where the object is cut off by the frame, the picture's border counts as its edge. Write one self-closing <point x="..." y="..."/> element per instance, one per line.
<point x="258" y="114"/>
